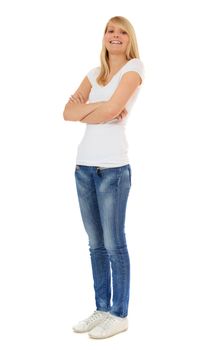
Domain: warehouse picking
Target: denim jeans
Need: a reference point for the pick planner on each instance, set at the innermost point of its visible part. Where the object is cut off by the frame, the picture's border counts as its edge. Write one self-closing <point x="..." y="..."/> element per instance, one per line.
<point x="102" y="195"/>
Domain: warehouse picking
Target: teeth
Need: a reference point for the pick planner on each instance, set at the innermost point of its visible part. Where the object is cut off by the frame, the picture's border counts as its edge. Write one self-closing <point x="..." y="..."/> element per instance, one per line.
<point x="115" y="42"/>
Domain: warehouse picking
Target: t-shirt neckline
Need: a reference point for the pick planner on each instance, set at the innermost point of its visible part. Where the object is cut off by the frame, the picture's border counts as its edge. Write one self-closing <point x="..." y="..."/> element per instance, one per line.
<point x="103" y="86"/>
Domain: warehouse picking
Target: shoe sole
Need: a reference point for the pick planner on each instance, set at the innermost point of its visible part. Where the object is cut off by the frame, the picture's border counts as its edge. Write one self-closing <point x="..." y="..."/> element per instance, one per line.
<point x="76" y="331"/>
<point x="109" y="336"/>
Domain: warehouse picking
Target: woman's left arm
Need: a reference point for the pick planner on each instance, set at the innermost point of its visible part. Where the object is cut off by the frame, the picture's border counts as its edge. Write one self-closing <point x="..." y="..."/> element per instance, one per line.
<point x="116" y="104"/>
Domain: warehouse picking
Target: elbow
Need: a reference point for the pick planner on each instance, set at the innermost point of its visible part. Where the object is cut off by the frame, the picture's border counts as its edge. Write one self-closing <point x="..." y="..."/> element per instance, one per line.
<point x="65" y="115"/>
<point x="113" y="111"/>
<point x="68" y="116"/>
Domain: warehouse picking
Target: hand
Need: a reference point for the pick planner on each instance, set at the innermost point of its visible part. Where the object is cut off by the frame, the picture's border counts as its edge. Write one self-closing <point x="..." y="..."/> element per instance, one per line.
<point x="76" y="98"/>
<point x="122" y="114"/>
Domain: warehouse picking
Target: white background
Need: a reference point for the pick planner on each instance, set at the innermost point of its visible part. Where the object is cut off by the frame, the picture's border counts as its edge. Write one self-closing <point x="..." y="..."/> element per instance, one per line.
<point x="175" y="210"/>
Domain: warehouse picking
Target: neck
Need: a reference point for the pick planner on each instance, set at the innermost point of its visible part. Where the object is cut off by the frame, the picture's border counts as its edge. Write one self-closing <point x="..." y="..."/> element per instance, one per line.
<point x="116" y="61"/>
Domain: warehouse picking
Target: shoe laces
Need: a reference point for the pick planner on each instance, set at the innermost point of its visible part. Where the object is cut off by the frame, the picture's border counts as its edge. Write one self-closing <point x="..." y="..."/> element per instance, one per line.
<point x="95" y="316"/>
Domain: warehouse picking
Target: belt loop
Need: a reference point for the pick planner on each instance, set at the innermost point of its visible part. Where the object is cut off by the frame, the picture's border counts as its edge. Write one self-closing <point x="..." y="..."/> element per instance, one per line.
<point x="98" y="171"/>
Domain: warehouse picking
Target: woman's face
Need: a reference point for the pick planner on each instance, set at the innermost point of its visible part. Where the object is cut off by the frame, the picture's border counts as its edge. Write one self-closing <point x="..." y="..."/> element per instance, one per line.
<point x="116" y="39"/>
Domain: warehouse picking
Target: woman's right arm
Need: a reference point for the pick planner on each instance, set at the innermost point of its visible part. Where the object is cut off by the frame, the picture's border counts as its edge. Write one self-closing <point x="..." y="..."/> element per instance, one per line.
<point x="77" y="108"/>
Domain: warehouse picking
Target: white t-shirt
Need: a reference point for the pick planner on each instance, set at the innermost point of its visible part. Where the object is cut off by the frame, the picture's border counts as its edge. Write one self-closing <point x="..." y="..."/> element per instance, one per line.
<point x="105" y="145"/>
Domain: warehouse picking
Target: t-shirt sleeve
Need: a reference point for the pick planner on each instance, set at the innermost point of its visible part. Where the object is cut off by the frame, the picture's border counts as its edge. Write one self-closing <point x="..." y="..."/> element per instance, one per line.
<point x="92" y="75"/>
<point x="134" y="65"/>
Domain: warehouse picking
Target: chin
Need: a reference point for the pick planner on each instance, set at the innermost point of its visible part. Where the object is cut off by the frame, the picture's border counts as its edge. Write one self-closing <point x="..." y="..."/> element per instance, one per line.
<point x="116" y="50"/>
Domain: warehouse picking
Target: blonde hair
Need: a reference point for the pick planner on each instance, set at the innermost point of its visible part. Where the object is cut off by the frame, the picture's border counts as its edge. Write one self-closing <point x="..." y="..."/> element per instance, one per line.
<point x="131" y="52"/>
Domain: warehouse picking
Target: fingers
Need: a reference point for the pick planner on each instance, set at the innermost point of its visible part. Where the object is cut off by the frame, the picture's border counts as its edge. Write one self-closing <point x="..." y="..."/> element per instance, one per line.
<point x="122" y="114"/>
<point x="76" y="98"/>
<point x="119" y="117"/>
<point x="81" y="98"/>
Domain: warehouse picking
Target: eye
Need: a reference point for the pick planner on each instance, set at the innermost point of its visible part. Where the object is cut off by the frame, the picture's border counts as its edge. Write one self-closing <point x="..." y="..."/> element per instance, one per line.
<point x="123" y="32"/>
<point x="110" y="31"/>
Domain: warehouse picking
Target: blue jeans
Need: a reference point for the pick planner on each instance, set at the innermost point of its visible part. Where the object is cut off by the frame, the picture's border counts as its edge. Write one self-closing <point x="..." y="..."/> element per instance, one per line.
<point x="102" y="195"/>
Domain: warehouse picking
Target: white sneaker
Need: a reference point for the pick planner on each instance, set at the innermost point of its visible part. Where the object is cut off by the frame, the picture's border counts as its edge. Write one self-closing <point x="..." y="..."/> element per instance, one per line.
<point x="110" y="326"/>
<point x="90" y="322"/>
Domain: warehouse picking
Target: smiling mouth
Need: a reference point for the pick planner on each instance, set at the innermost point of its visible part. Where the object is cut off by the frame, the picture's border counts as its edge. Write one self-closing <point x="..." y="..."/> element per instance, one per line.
<point x="115" y="42"/>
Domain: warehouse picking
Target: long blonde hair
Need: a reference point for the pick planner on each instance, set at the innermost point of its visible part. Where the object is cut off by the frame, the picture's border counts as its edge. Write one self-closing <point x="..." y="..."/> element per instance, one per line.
<point x="131" y="52"/>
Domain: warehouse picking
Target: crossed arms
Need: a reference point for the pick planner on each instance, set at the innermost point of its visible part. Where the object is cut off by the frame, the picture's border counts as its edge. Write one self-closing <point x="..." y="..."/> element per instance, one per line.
<point x="77" y="108"/>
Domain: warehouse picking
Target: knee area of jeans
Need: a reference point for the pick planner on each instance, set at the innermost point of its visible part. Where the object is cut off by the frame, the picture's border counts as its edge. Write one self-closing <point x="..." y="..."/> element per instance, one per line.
<point x="117" y="250"/>
<point x="97" y="249"/>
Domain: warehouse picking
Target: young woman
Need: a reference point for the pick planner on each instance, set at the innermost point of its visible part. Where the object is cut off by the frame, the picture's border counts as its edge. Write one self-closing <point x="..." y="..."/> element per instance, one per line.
<point x="103" y="174"/>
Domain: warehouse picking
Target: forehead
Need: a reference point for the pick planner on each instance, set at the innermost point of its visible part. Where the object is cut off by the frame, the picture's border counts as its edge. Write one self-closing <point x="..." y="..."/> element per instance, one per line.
<point x="114" y="26"/>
